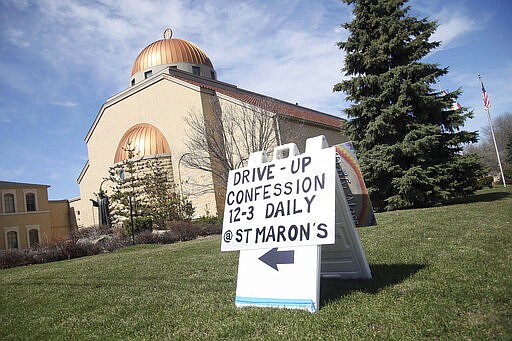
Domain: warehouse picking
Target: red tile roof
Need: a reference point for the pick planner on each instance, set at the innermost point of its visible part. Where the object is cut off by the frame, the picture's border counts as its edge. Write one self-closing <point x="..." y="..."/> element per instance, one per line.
<point x="261" y="101"/>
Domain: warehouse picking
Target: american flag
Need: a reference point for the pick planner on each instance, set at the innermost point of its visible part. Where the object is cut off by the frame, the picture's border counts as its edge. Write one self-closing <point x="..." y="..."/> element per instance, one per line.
<point x="456" y="105"/>
<point x="487" y="102"/>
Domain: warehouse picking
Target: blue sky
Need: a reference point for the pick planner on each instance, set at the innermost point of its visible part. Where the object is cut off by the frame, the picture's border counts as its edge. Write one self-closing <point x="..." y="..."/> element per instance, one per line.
<point x="61" y="59"/>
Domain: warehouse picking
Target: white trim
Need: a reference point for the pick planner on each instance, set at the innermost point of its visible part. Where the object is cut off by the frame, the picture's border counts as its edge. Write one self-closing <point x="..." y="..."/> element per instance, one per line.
<point x="157" y="77"/>
<point x="20" y="213"/>
<point x="12" y="229"/>
<point x="82" y="172"/>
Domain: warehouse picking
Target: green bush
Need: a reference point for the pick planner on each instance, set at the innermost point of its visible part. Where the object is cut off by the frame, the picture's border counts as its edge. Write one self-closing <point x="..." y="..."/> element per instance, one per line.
<point x="209" y="219"/>
<point x="485" y="182"/>
<point x="141" y="224"/>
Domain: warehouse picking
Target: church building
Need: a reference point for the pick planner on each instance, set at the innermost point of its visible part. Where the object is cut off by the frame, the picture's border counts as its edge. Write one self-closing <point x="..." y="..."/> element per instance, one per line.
<point x="170" y="79"/>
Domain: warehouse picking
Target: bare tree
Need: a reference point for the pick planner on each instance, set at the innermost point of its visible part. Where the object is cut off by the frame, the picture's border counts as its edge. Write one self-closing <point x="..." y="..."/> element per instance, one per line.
<point x="222" y="137"/>
<point x="502" y="125"/>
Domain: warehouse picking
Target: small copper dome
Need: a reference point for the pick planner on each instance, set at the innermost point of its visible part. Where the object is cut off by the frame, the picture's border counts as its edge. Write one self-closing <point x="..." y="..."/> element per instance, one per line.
<point x="170" y="51"/>
<point x="143" y="139"/>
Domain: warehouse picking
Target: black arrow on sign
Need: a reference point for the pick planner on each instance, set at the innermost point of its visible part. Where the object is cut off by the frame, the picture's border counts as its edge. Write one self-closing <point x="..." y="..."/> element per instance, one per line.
<point x="274" y="257"/>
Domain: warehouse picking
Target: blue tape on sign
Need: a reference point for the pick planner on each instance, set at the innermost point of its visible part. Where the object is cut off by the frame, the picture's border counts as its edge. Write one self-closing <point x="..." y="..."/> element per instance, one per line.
<point x="276" y="302"/>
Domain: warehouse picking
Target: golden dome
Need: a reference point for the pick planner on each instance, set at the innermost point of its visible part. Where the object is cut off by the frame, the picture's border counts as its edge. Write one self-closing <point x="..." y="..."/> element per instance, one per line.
<point x="169" y="51"/>
<point x="144" y="139"/>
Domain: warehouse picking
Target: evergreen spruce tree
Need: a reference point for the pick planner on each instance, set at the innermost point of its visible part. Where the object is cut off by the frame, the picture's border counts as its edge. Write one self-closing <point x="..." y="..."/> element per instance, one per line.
<point x="150" y="188"/>
<point x="161" y="200"/>
<point x="126" y="182"/>
<point x="407" y="135"/>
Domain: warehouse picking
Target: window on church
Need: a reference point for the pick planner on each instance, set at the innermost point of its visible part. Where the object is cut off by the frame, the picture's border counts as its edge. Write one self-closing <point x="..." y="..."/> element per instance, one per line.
<point x="33" y="237"/>
<point x="196" y="70"/>
<point x="9" y="203"/>
<point x="30" y="200"/>
<point x="212" y="74"/>
<point x="148" y="74"/>
<point x="133" y="82"/>
<point x="12" y="240"/>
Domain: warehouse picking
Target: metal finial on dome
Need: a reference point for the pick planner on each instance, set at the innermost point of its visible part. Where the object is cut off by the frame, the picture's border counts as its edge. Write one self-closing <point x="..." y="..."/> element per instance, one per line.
<point x="167" y="33"/>
<point x="169" y="51"/>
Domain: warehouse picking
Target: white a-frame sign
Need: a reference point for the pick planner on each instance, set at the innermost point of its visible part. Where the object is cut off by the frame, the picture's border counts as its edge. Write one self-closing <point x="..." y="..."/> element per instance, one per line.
<point x="290" y="220"/>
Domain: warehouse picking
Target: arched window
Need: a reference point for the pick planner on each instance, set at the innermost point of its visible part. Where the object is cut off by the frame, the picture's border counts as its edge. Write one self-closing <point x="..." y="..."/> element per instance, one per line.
<point x="12" y="240"/>
<point x="30" y="201"/>
<point x="33" y="237"/>
<point x="9" y="206"/>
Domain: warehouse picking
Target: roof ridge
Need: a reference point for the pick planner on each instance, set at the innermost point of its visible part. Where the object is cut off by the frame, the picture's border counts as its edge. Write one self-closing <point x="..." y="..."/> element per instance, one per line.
<point x="256" y="99"/>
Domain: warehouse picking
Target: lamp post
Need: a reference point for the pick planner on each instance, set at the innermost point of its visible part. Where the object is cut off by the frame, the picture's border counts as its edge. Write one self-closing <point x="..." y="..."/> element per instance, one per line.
<point x="131" y="219"/>
<point x="101" y="184"/>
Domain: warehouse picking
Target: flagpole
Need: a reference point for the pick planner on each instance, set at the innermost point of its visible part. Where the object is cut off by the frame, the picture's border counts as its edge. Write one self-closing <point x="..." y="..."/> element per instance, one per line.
<point x="492" y="134"/>
<point x="439" y="85"/>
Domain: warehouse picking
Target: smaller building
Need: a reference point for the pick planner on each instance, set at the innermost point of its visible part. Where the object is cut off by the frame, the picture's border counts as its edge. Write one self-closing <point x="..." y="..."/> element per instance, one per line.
<point x="28" y="218"/>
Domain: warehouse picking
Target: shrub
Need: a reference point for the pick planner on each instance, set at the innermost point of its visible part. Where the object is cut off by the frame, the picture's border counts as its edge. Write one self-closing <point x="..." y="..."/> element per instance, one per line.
<point x="12" y="258"/>
<point x="141" y="224"/>
<point x="96" y="239"/>
<point x="166" y="237"/>
<point x="485" y="182"/>
<point x="89" y="232"/>
<point x="81" y="242"/>
<point x="145" y="237"/>
<point x="157" y="237"/>
<point x="208" y="219"/>
<point x="210" y="229"/>
<point x="184" y="230"/>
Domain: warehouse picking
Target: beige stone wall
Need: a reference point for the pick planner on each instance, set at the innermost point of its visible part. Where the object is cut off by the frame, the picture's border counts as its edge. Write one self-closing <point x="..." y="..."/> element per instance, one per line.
<point x="164" y="104"/>
<point x="60" y="220"/>
<point x="289" y="129"/>
<point x="292" y="130"/>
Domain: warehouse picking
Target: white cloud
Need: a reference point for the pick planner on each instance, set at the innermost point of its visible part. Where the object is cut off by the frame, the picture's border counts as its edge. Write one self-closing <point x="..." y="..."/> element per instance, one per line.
<point x="11" y="174"/>
<point x="262" y="45"/>
<point x="16" y="37"/>
<point x="275" y="53"/>
<point x="451" y="27"/>
<point x="453" y="17"/>
<point x="67" y="104"/>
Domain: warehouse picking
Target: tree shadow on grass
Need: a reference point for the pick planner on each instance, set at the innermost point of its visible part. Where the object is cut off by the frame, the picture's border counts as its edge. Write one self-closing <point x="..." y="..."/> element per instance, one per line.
<point x="481" y="197"/>
<point x="383" y="275"/>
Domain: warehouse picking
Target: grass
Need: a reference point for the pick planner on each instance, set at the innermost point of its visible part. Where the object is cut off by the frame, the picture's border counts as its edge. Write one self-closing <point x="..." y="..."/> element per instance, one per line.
<point x="438" y="273"/>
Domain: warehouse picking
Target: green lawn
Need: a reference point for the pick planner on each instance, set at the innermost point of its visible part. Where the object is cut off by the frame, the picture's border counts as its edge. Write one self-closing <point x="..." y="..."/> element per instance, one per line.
<point x="439" y="273"/>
